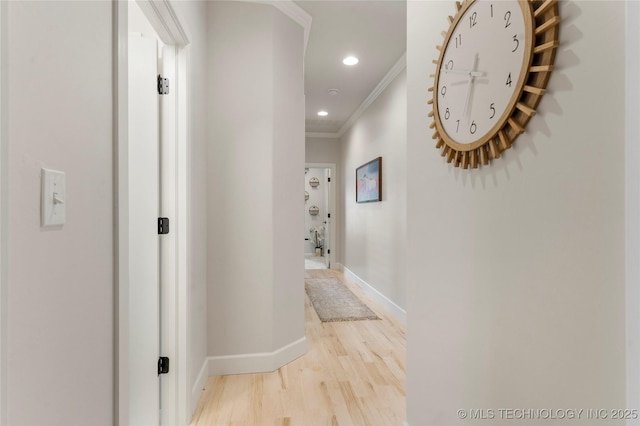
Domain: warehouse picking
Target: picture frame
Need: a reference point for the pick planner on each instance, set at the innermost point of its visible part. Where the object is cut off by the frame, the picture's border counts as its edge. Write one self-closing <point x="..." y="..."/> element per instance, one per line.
<point x="369" y="181"/>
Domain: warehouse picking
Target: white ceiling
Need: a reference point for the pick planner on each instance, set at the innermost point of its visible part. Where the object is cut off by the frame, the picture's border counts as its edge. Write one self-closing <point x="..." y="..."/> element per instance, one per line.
<point x="372" y="30"/>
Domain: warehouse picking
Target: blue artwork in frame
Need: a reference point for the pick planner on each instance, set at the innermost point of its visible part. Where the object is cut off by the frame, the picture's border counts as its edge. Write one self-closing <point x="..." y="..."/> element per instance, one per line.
<point x="369" y="181"/>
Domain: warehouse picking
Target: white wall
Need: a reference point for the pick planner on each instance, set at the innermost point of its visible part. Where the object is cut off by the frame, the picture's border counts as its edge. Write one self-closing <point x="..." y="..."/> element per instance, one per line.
<point x="373" y="235"/>
<point x="317" y="197"/>
<point x="255" y="160"/>
<point x="322" y="150"/>
<point x="516" y="292"/>
<point x="60" y="319"/>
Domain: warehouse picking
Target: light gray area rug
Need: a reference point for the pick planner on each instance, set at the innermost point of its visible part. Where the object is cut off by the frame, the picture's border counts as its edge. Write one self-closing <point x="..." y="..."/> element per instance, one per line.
<point x="333" y="301"/>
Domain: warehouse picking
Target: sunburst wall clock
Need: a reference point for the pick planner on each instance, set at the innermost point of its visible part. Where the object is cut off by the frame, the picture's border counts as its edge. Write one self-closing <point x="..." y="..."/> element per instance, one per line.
<point x="492" y="71"/>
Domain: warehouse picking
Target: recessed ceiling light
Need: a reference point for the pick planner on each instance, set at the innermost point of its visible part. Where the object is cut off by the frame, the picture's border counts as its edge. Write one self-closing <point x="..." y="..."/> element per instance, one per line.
<point x="323" y="113"/>
<point x="350" y="60"/>
<point x="332" y="92"/>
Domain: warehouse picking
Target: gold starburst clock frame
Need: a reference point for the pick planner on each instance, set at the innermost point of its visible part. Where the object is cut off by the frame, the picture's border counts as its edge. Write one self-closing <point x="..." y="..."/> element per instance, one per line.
<point x="492" y="71"/>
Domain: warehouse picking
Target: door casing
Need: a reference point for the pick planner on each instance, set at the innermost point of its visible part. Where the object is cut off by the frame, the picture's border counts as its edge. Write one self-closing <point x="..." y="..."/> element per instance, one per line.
<point x="175" y="145"/>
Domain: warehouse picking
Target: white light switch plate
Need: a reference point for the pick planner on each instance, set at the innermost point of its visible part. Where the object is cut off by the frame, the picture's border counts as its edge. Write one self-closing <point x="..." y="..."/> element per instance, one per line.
<point x="54" y="198"/>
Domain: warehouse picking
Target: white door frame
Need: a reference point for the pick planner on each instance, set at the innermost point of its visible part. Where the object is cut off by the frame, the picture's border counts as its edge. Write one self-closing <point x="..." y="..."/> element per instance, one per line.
<point x="332" y="208"/>
<point x="175" y="146"/>
<point x="4" y="210"/>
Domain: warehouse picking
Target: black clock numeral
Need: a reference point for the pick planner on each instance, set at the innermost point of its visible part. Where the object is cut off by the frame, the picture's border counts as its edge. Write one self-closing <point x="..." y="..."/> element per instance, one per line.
<point x="509" y="80"/>
<point x="443" y="91"/>
<point x="493" y="111"/>
<point x="473" y="128"/>
<point x="458" y="40"/>
<point x="492" y="11"/>
<point x="458" y="125"/>
<point x="447" y="114"/>
<point x="515" y="38"/>
<point x="507" y="17"/>
<point x="450" y="65"/>
<point x="473" y="19"/>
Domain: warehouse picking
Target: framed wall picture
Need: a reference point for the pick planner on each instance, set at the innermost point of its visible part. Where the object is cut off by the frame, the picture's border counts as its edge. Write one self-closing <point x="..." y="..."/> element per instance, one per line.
<point x="369" y="181"/>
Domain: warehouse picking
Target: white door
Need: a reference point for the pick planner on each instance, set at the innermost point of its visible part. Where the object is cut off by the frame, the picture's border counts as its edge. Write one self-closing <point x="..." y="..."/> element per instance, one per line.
<point x="144" y="313"/>
<point x="327" y="223"/>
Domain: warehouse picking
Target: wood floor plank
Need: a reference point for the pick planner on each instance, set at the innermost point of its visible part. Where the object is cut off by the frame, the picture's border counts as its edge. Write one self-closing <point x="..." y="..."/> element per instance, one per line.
<point x="352" y="374"/>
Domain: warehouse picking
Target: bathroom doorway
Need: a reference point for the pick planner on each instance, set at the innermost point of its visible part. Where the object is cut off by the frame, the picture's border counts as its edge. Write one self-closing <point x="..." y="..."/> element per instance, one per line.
<point x="318" y="210"/>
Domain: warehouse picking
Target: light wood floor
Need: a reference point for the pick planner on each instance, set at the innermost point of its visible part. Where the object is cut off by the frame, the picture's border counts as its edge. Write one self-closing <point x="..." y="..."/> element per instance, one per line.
<point x="352" y="374"/>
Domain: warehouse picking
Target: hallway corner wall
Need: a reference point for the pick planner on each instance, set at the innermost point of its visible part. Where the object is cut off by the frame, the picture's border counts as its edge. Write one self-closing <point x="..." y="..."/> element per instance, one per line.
<point x="255" y="299"/>
<point x="288" y="166"/>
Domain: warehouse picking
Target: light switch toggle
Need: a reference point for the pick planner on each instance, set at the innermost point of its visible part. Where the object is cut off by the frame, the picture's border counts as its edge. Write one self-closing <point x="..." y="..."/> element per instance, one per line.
<point x="52" y="204"/>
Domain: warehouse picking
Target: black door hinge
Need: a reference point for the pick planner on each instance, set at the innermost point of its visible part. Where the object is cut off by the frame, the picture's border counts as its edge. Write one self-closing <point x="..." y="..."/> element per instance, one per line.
<point x="329" y="251"/>
<point x="163" y="225"/>
<point x="329" y="215"/>
<point x="328" y="179"/>
<point x="163" y="365"/>
<point x="163" y="85"/>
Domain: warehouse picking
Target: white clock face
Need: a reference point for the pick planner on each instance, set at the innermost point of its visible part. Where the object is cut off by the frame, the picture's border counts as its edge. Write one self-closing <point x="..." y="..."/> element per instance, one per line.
<point x="481" y="69"/>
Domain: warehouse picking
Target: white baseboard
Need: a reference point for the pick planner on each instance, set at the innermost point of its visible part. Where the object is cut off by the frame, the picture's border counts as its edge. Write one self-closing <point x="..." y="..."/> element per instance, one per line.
<point x="247" y="363"/>
<point x="257" y="362"/>
<point x="387" y="303"/>
<point x="198" y="387"/>
<point x="288" y="353"/>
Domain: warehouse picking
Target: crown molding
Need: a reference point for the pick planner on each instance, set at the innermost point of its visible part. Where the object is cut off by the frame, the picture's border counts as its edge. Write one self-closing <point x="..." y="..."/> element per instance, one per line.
<point x="297" y="14"/>
<point x="386" y="80"/>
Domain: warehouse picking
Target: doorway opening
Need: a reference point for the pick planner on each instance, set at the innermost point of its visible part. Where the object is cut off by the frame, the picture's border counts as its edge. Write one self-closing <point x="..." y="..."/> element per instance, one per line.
<point x="319" y="207"/>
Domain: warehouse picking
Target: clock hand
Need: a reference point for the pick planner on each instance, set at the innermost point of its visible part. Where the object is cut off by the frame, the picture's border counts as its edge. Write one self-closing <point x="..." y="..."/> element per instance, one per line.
<point x="466" y="111"/>
<point x="464" y="72"/>
<point x="466" y="101"/>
